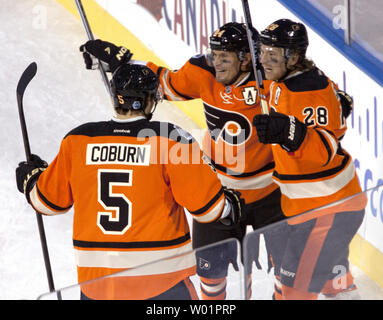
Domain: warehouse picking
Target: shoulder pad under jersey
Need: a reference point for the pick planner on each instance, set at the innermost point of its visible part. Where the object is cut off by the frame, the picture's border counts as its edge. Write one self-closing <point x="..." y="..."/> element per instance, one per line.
<point x="307" y="81"/>
<point x="201" y="62"/>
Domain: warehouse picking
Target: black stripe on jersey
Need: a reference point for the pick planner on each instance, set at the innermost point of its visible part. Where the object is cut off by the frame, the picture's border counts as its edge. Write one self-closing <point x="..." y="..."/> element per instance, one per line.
<point x="313" y="176"/>
<point x="208" y="205"/>
<point x="201" y="62"/>
<point x="159" y="71"/>
<point x="327" y="146"/>
<point x="109" y="128"/>
<point x="131" y="245"/>
<point x="50" y="204"/>
<point x="307" y="81"/>
<point x="140" y="128"/>
<point x="328" y="131"/>
<point x="269" y="166"/>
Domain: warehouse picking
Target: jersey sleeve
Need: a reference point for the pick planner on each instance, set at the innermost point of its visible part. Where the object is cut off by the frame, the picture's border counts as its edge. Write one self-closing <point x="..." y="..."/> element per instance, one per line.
<point x="193" y="183"/>
<point x="321" y="111"/>
<point x="338" y="124"/>
<point x="318" y="149"/>
<point x="183" y="84"/>
<point x="330" y="125"/>
<point x="52" y="194"/>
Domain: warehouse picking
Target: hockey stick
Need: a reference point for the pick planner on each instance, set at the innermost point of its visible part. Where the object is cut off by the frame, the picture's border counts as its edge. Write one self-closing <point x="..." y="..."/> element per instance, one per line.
<point x="255" y="58"/>
<point x="89" y="33"/>
<point x="25" y="79"/>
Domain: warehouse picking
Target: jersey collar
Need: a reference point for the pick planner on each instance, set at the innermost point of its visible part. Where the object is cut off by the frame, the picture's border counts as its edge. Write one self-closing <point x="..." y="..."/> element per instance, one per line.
<point x="128" y="120"/>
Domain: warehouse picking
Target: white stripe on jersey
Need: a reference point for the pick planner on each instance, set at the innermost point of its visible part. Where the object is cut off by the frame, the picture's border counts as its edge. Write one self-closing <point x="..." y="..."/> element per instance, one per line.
<point x="258" y="182"/>
<point x="178" y="259"/>
<point x="167" y="90"/>
<point x="333" y="142"/>
<point x="323" y="188"/>
<point x="212" y="215"/>
<point x="40" y="206"/>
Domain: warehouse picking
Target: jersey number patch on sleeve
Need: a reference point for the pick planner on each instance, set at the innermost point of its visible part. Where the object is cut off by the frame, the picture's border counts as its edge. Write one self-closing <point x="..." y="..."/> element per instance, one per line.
<point x="118" y="219"/>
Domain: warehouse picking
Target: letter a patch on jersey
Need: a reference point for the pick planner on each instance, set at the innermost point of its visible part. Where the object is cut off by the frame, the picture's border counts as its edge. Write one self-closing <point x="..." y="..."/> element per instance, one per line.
<point x="250" y="95"/>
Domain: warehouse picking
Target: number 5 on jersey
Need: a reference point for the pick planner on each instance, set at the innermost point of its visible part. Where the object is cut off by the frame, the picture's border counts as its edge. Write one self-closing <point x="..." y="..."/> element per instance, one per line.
<point x="119" y="222"/>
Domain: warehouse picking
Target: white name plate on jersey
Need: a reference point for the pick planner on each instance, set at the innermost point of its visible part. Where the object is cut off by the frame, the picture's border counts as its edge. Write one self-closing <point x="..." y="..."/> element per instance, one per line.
<point x="117" y="153"/>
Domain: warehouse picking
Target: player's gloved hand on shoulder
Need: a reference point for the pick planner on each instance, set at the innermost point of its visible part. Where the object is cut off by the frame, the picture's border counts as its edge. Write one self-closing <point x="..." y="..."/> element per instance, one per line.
<point x="106" y="52"/>
<point x="234" y="207"/>
<point x="284" y="130"/>
<point x="28" y="172"/>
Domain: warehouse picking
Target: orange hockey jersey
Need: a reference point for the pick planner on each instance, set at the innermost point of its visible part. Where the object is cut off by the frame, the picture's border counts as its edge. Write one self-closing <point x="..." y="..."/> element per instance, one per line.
<point x="320" y="171"/>
<point x="231" y="143"/>
<point x="129" y="182"/>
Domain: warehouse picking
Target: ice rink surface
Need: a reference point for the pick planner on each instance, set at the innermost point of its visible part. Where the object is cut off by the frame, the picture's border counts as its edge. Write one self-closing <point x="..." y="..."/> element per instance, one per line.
<point x="62" y="96"/>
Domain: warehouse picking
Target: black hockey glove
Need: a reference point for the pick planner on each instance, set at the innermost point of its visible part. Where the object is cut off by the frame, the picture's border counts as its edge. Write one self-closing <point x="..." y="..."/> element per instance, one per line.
<point x="27" y="174"/>
<point x="347" y="103"/>
<point x="234" y="209"/>
<point x="105" y="51"/>
<point x="285" y="130"/>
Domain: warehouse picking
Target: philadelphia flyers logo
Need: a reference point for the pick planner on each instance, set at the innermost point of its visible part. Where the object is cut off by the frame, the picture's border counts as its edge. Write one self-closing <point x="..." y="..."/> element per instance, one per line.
<point x="232" y="127"/>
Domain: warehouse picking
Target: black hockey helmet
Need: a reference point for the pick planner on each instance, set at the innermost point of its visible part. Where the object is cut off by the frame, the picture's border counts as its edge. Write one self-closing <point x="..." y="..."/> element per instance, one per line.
<point x="131" y="86"/>
<point x="231" y="36"/>
<point x="286" y="34"/>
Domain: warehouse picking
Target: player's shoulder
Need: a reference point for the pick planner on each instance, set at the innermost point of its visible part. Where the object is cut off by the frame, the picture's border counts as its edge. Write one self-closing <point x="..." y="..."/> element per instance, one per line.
<point x="140" y="129"/>
<point x="312" y="80"/>
<point x="109" y="128"/>
<point x="170" y="131"/>
<point x="201" y="62"/>
<point x="89" y="129"/>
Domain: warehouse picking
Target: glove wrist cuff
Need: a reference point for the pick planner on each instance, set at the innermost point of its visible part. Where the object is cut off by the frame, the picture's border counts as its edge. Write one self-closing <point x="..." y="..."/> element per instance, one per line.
<point x="30" y="182"/>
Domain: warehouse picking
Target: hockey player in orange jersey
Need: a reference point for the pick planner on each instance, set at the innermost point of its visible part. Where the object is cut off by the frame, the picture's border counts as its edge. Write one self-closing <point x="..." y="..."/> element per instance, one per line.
<point x="129" y="195"/>
<point x="305" y="126"/>
<point x="224" y="81"/>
